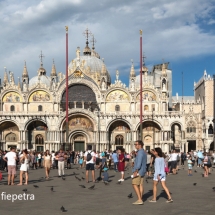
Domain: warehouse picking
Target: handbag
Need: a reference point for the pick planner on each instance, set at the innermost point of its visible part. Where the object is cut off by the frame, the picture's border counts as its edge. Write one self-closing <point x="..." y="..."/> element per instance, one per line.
<point x="166" y="169"/>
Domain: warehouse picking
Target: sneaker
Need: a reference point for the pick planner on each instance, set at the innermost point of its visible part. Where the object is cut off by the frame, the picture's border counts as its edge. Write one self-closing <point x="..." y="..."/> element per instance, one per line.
<point x="152" y="200"/>
<point x="169" y="201"/>
<point x="138" y="202"/>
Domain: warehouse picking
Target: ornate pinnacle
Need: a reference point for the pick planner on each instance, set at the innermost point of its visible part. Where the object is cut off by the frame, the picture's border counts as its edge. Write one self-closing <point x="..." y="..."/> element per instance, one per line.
<point x="93" y="41"/>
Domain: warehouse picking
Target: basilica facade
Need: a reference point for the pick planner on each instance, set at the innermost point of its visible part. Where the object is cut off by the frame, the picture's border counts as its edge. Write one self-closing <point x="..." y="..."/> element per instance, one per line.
<point x="103" y="113"/>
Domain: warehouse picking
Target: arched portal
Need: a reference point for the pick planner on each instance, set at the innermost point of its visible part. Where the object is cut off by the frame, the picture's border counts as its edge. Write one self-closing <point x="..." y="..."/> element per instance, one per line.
<point x="119" y="135"/>
<point x="37" y="132"/>
<point x="80" y="128"/>
<point x="151" y="134"/>
<point x="176" y="136"/>
<point x="9" y="135"/>
<point x="80" y="96"/>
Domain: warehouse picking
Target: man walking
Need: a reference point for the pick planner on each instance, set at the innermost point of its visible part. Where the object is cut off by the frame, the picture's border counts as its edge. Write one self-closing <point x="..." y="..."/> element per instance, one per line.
<point x="139" y="171"/>
<point x="11" y="158"/>
<point x="115" y="160"/>
<point x="89" y="158"/>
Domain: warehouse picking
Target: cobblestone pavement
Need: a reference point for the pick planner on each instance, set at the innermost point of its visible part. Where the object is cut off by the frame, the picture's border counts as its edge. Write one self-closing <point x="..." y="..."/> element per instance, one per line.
<point x="109" y="199"/>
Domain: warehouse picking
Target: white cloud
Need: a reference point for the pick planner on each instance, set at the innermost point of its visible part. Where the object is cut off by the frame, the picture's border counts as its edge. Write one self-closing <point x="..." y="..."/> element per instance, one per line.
<point x="171" y="30"/>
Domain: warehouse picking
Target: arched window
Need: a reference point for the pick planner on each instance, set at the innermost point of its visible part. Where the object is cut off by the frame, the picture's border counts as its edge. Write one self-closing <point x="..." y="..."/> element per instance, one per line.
<point x="40" y="108"/>
<point x="191" y="127"/>
<point x="146" y="107"/>
<point x="117" y="108"/>
<point x="119" y="140"/>
<point x="12" y="108"/>
<point x="210" y="129"/>
<point x="11" y="137"/>
<point x="39" y="139"/>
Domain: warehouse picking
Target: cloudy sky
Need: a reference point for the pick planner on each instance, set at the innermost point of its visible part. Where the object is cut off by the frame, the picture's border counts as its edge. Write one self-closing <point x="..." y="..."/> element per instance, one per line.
<point x="180" y="32"/>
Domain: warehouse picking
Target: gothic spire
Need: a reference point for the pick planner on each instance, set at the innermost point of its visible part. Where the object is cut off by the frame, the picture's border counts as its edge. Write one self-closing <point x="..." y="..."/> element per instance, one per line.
<point x="132" y="71"/>
<point x="53" y="72"/>
<point x="5" y="76"/>
<point x="103" y="67"/>
<point x="25" y="71"/>
<point x="19" y="85"/>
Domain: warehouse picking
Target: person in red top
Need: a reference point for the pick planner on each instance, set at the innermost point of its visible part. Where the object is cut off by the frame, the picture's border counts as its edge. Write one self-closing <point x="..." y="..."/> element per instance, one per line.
<point x="121" y="164"/>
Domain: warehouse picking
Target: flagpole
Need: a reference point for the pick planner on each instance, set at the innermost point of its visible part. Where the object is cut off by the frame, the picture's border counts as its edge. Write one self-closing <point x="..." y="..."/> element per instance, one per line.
<point x="67" y="93"/>
<point x="141" y="104"/>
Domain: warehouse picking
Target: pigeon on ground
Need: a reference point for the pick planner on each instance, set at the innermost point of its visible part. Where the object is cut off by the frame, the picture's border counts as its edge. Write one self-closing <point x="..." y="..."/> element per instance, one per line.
<point x="106" y="183"/>
<point x="74" y="173"/>
<point x="130" y="196"/>
<point x="194" y="184"/>
<point x="83" y="178"/>
<point x="36" y="186"/>
<point x="82" y="186"/>
<point x="63" y="178"/>
<point x="195" y="171"/>
<point x="25" y="190"/>
<point x="92" y="187"/>
<point x="52" y="189"/>
<point x="77" y="168"/>
<point x="63" y="209"/>
<point x="83" y="172"/>
<point x="119" y="182"/>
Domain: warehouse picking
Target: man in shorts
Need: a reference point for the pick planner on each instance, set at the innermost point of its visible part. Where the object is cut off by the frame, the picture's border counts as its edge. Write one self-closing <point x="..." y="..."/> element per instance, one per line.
<point x="139" y="171"/>
<point x="89" y="157"/>
<point x="11" y="158"/>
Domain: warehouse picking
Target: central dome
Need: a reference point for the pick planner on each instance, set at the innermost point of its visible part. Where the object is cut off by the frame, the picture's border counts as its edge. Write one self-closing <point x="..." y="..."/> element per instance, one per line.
<point x="94" y="63"/>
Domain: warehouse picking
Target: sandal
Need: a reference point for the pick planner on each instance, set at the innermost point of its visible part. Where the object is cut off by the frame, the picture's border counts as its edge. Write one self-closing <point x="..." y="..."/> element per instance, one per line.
<point x="152" y="200"/>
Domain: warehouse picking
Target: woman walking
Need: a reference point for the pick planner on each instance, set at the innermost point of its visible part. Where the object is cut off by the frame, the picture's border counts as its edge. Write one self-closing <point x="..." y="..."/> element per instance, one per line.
<point x="121" y="164"/>
<point x="159" y="175"/>
<point x="24" y="160"/>
<point x="205" y="161"/>
<point x="47" y="163"/>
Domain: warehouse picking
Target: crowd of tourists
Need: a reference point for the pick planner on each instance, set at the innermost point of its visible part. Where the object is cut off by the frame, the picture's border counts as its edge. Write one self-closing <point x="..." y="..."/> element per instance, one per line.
<point x="153" y="164"/>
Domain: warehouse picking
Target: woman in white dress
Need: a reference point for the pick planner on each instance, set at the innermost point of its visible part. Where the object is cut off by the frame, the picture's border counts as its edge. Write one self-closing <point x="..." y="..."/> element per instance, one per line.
<point x="24" y="160"/>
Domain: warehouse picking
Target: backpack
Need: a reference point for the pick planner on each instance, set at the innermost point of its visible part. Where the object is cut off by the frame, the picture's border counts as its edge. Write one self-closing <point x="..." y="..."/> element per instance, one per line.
<point x="89" y="156"/>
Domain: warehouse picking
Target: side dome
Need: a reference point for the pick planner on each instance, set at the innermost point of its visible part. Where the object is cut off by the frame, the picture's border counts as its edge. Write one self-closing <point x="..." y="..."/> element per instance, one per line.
<point x="43" y="79"/>
<point x="94" y="63"/>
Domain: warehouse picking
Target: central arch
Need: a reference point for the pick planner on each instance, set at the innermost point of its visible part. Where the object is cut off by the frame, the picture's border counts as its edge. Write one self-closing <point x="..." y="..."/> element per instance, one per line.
<point x="119" y="135"/>
<point x="151" y="134"/>
<point x="80" y="125"/>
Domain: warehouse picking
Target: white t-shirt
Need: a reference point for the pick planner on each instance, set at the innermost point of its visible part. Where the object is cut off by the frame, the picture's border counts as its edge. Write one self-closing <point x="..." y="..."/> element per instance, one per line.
<point x="92" y="154"/>
<point x="174" y="156"/>
<point x="39" y="156"/>
<point x="11" y="158"/>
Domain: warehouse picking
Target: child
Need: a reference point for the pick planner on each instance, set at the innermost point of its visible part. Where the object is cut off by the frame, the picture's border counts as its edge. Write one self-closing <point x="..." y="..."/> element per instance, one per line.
<point x="105" y="176"/>
<point x="81" y="162"/>
<point x="190" y="166"/>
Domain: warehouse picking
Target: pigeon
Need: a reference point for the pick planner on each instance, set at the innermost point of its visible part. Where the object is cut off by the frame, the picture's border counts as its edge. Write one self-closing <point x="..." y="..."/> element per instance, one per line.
<point x="83" y="172"/>
<point x="77" y="168"/>
<point x="36" y="186"/>
<point x="63" y="209"/>
<point x="195" y="171"/>
<point x="130" y="196"/>
<point x="83" y="178"/>
<point x="119" y="182"/>
<point x="52" y="189"/>
<point x="74" y="173"/>
<point x="92" y="187"/>
<point x="82" y="186"/>
<point x="63" y="178"/>
<point x="213" y="188"/>
<point x="194" y="184"/>
<point x="25" y="190"/>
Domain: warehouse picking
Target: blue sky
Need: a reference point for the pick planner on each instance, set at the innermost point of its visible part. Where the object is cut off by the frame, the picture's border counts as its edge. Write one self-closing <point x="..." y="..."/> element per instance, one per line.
<point x="180" y="32"/>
